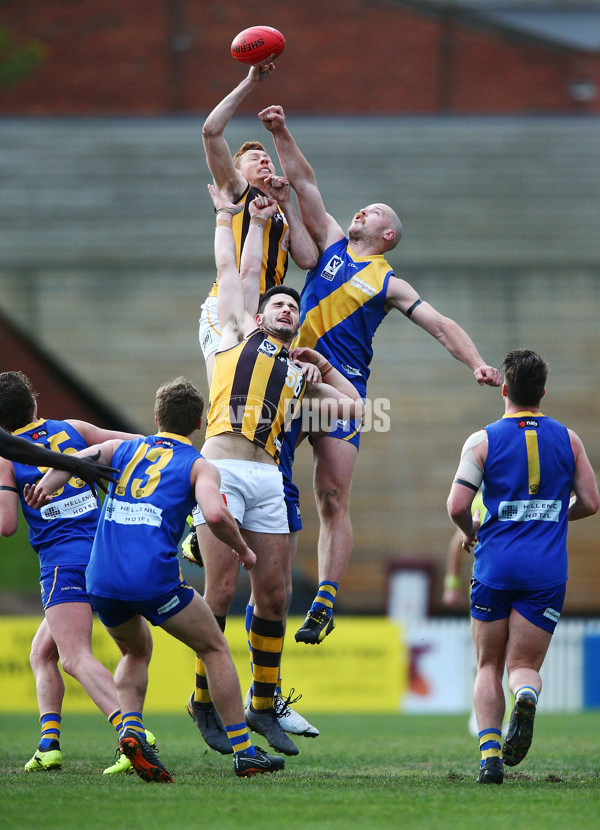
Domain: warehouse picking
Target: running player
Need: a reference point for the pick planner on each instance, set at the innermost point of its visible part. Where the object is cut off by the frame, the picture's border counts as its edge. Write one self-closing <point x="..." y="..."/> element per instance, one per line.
<point x="528" y="465"/>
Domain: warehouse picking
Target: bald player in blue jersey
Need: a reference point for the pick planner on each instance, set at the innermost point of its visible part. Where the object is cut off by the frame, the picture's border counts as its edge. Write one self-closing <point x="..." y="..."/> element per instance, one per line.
<point x="535" y="478"/>
<point x="345" y="298"/>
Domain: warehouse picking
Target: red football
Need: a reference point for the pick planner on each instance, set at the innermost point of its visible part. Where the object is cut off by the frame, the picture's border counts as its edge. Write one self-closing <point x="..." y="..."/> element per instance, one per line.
<point x="257" y="45"/>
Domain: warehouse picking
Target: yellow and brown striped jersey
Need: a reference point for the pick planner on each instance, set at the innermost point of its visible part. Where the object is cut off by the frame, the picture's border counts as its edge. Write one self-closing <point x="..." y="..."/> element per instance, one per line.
<point x="275" y="246"/>
<point x="253" y="391"/>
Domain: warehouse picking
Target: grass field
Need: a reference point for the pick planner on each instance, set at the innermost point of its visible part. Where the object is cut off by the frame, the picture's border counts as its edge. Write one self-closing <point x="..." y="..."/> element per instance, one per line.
<point x="375" y="772"/>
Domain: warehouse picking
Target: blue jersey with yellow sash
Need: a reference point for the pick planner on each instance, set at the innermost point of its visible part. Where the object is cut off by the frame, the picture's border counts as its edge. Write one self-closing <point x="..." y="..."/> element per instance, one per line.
<point x="61" y="533"/>
<point x="342" y="305"/>
<point x="134" y="556"/>
<point x="527" y="484"/>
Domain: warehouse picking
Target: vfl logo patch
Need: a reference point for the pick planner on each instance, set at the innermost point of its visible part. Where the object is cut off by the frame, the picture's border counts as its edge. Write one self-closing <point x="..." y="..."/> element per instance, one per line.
<point x="268" y="348"/>
<point x="332" y="267"/>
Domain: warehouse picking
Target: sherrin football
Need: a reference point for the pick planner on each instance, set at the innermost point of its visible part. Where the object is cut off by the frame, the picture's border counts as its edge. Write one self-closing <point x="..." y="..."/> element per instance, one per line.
<point x="257" y="45"/>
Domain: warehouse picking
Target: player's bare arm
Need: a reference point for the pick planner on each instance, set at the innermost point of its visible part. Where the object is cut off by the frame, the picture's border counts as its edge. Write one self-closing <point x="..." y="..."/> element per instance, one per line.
<point x="302" y="247"/>
<point x="261" y="210"/>
<point x="234" y="320"/>
<point x="218" y="155"/>
<point x="9" y="499"/>
<point x="322" y="227"/>
<point x="39" y="494"/>
<point x="402" y="296"/>
<point x="96" y="435"/>
<point x="585" y="500"/>
<point x="339" y="397"/>
<point x="205" y="479"/>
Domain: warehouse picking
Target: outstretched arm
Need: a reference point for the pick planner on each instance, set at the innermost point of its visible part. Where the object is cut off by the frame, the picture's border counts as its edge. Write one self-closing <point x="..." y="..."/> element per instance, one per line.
<point x="261" y="209"/>
<point x="447" y="332"/>
<point x="37" y="495"/>
<point x="218" y="155"/>
<point x="334" y="395"/>
<point x="23" y="451"/>
<point x="302" y="247"/>
<point x="235" y="322"/>
<point x="322" y="227"/>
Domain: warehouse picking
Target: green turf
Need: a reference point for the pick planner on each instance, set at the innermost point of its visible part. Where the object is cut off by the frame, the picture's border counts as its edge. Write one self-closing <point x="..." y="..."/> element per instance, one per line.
<point x="375" y="772"/>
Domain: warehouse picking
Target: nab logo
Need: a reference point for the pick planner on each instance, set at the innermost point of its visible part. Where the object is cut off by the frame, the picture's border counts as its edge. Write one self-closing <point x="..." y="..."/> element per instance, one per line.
<point x="332" y="267"/>
<point x="268" y="348"/>
<point x="164" y="442"/>
<point x="524" y="423"/>
<point x="41" y="433"/>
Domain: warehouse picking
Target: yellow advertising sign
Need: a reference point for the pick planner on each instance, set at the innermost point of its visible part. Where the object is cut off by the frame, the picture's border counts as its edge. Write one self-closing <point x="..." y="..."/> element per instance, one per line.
<point x="362" y="666"/>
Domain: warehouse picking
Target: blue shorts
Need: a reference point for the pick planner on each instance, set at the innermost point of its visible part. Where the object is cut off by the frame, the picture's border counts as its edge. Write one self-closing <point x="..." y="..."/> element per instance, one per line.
<point x="63" y="583"/>
<point x="114" y="612"/>
<point x="291" y="495"/>
<point x="541" y="608"/>
<point x="344" y="430"/>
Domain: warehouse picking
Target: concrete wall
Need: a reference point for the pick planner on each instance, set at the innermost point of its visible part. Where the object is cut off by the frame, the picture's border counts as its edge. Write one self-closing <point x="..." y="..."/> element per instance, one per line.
<point x="106" y="240"/>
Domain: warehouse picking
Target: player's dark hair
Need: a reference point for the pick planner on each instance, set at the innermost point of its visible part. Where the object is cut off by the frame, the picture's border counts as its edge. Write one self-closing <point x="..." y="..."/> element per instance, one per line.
<point x="278" y="289"/>
<point x="247" y="145"/>
<point x="525" y="374"/>
<point x="178" y="407"/>
<point x="17" y="401"/>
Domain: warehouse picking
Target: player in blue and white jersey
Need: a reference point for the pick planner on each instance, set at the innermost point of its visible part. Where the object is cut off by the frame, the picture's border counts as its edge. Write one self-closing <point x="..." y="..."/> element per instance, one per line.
<point x="346" y="296"/>
<point x="134" y="573"/>
<point x="535" y="478"/>
<point x="62" y="536"/>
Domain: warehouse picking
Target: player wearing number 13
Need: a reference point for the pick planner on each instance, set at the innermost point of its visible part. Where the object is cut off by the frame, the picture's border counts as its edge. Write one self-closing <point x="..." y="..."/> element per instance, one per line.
<point x="528" y="466"/>
<point x="134" y="572"/>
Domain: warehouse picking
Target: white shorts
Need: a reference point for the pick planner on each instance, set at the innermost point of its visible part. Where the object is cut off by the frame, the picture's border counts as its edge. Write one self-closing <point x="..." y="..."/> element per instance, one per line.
<point x="254" y="494"/>
<point x="209" y="332"/>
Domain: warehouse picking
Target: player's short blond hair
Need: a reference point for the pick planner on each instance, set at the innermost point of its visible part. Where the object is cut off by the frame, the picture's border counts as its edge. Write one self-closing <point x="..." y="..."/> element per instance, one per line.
<point x="247" y="145"/>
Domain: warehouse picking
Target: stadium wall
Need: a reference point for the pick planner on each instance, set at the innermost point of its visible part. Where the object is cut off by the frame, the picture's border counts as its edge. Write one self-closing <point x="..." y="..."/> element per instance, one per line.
<point x="362" y="56"/>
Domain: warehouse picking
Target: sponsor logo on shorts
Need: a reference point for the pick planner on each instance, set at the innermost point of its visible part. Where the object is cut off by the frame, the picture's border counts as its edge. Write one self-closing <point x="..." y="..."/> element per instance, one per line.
<point x="350" y="370"/>
<point x="552" y="614"/>
<point x="72" y="588"/>
<point x="172" y="603"/>
<point x="485" y="608"/>
<point x="332" y="267"/>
